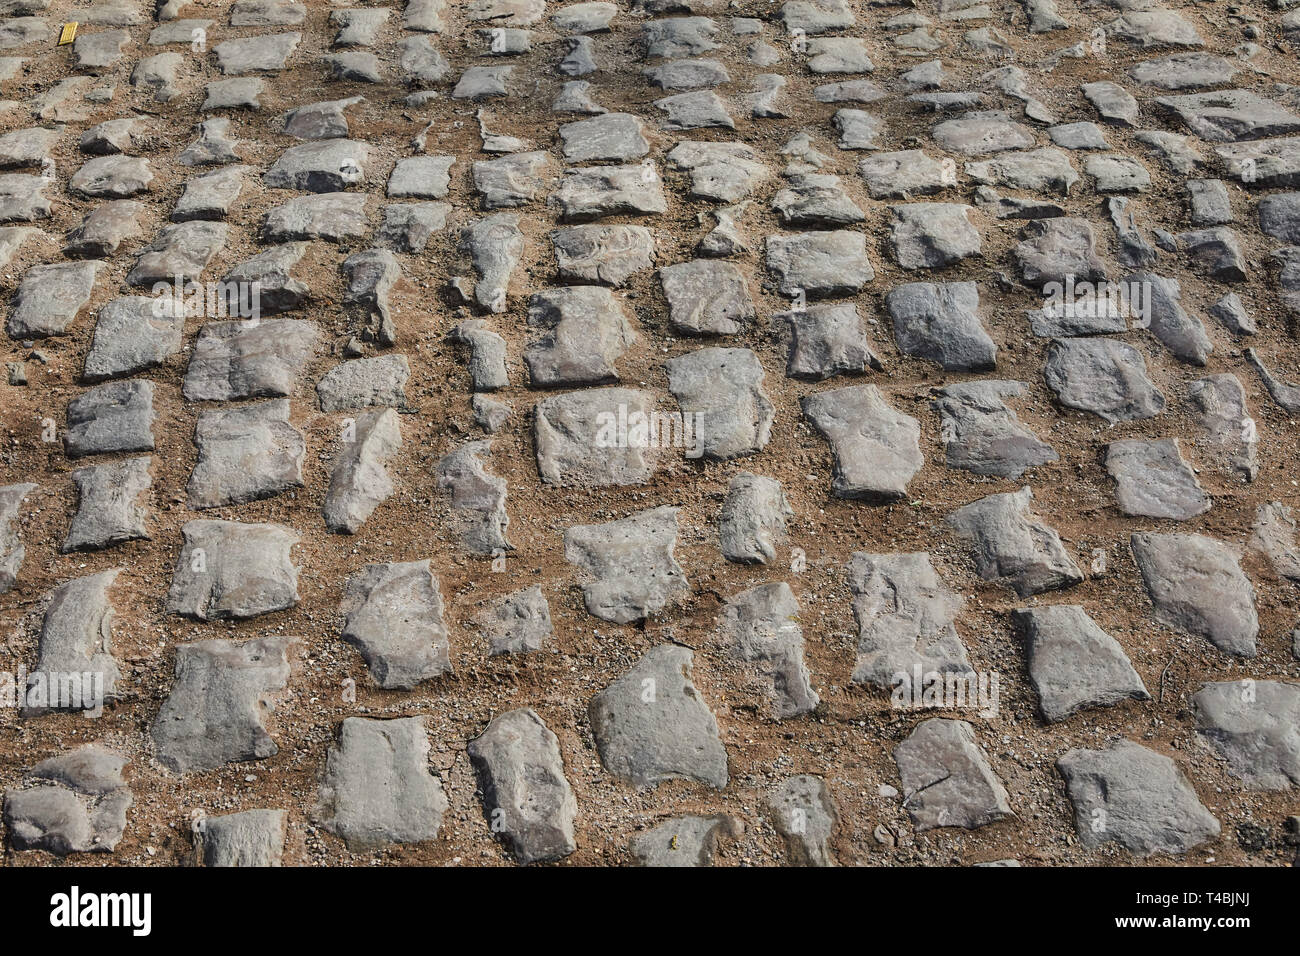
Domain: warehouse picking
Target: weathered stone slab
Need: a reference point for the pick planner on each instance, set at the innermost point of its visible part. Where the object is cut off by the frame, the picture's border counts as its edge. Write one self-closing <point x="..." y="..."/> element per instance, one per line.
<point x="1012" y="547"/>
<point x="110" y="510"/>
<point x="245" y="453"/>
<point x="722" y="389"/>
<point x="762" y="624"/>
<point x="246" y="360"/>
<point x="947" y="781"/>
<point x="394" y="617"/>
<point x="359" y="480"/>
<point x="628" y="569"/>
<point x="597" y="437"/>
<point x="232" y="570"/>
<point x="876" y="448"/>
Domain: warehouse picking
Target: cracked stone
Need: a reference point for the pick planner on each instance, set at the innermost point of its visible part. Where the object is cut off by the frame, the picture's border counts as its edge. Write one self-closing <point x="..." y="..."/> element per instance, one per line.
<point x="232" y="570"/>
<point x="1011" y="546"/>
<point x="876" y="449"/>
<point x="393" y="615"/>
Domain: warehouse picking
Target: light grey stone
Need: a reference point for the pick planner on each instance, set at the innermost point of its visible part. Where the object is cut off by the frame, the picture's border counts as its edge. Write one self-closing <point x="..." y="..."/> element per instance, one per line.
<point x="518" y="623"/>
<point x="359" y="480"/>
<point x="179" y="253"/>
<point x="233" y="570"/>
<point x="578" y="442"/>
<point x="365" y="382"/>
<point x="805" y="815"/>
<point x="257" y="54"/>
<point x="684" y="841"/>
<point x="1255" y="728"/>
<point x="983" y="435"/>
<point x="932" y="235"/>
<point x="628" y="571"/>
<point x="706" y="297"/>
<point x="76" y="639"/>
<point x="495" y="246"/>
<point x="1219" y="405"/>
<point x="1274" y="536"/>
<point x="75" y="802"/>
<point x="762" y="624"/>
<point x="277" y="290"/>
<point x="753" y="517"/>
<point x="113" y="417"/>
<point x="578" y="334"/>
<point x="332" y="216"/>
<point x="50" y="297"/>
<point x="241" y="360"/>
<point x="876" y="448"/>
<point x="209" y="196"/>
<point x="253" y="838"/>
<point x="727" y="172"/>
<point x="1152" y="480"/>
<point x="1102" y="376"/>
<point x="477" y="499"/>
<point x="109" y="509"/>
<point x="245" y="453"/>
<point x="394" y="617"/>
<point x="722" y="390"/>
<point x="940" y="322"/>
<point x="947" y="780"/>
<point x="12" y="549"/>
<point x="1011" y="546"/>
<point x="820" y="263"/>
<point x="609" y="255"/>
<point x="593" y="192"/>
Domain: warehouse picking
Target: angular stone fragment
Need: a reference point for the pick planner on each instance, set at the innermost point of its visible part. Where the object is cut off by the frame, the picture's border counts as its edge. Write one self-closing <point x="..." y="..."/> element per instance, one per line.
<point x="114" y="417"/>
<point x="1012" y="547"/>
<point x="722" y="391"/>
<point x="652" y="725"/>
<point x="27" y="148"/>
<point x="487" y="364"/>
<point x="687" y="74"/>
<point x="1102" y="376"/>
<point x="75" y="802"/>
<point x="160" y="74"/>
<point x="222" y="694"/>
<point x="1197" y="586"/>
<point x="518" y="623"/>
<point x="805" y="815"/>
<point x="371" y="275"/>
<point x="593" y="192"/>
<point x="684" y="841"/>
<point x="679" y="36"/>
<point x="629" y="571"/>
<point x="762" y="624"/>
<point x="209" y="196"/>
<point x="179" y="254"/>
<point x="1183" y="71"/>
<point x="815" y="200"/>
<point x="246" y="453"/>
<point x="932" y="235"/>
<point x="858" y="129"/>
<point x="1135" y="797"/>
<point x="525" y="792"/>
<point x="253" y="838"/>
<point x="407" y="227"/>
<point x="1078" y="136"/>
<point x="983" y="435"/>
<point x="1274" y="536"/>
<point x="1255" y="727"/>
<point x="75" y="642"/>
<point x="1117" y="174"/>
<point x="753" y="517"/>
<point x="1054" y="252"/>
<point x="478" y="499"/>
<point x="939" y="321"/>
<point x="979" y="135"/>
<point x="1153" y="481"/>
<point x="394" y="617"/>
<point x="1073" y="663"/>
<point x="320" y="166"/>
<point x="50" y="297"/>
<point x="827" y="340"/>
<point x="706" y="297"/>
<point x="244" y="360"/>
<point x="608" y="255"/>
<point x="359" y="480"/>
<point x="947" y="781"/>
<point x="324" y="120"/>
<point x="579" y="439"/>
<point x="12" y="550"/>
<point x="580" y="333"/>
<point x="232" y="570"/>
<point x="332" y="216"/>
<point x="1113" y="103"/>
<point x="214" y="144"/>
<point x="267" y="13"/>
<point x="1228" y="116"/>
<point x="257" y="54"/>
<point x="277" y="290"/>
<point x="377" y="788"/>
<point x="109" y="510"/>
<point x="902" y="175"/>
<point x="420" y="177"/>
<point x="820" y="263"/>
<point x="21" y="199"/>
<point x="612" y="136"/>
<point x="876" y="448"/>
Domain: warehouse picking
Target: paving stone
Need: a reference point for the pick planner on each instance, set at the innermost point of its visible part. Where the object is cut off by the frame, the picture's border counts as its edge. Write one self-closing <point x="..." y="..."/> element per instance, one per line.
<point x="113" y="136"/>
<point x="370" y="276"/>
<point x="420" y="177"/>
<point x="820" y="263"/>
<point x="359" y="480"/>
<point x="753" y="517"/>
<point x="1210" y="203"/>
<point x="365" y="382"/>
<point x="393" y="615"/>
<point x="1279" y="216"/>
<point x="477" y="499"/>
<point x="244" y="360"/>
<point x="21" y="199"/>
<point x="12" y="550"/>
<point x="407" y="227"/>
<point x="377" y="788"/>
<point x="1152" y="480"/>
<point x="27" y="148"/>
<point x="905" y="615"/>
<point x="257" y="54"/>
<point x="518" y="623"/>
<point x="593" y="192"/>
<point x="238" y="93"/>
<point x="1039" y="170"/>
<point x="1011" y="546"/>
<point x="722" y="390"/>
<point x="761" y="624"/>
<point x="805" y="815"/>
<point x="977" y="136"/>
<point x="1164" y="315"/>
<point x="75" y="639"/>
<point x="179" y="253"/>
<point x="1154" y="28"/>
<point x="611" y="136"/>
<point x="1073" y="663"/>
<point x="1113" y="103"/>
<point x="1229" y="116"/>
<point x="584" y="17"/>
<point x="652" y="725"/>
<point x="579" y="333"/>
<point x="695" y="110"/>
<point x="815" y="200"/>
<point x="904" y="174"/>
<point x="947" y="780"/>
<point x="939" y="322"/>
<point x="1058" y="251"/>
<point x="687" y="74"/>
<point x="214" y="145"/>
<point x="483" y="83"/>
<point x="245" y="454"/>
<point x="1102" y="376"/>
<point x="218" y="704"/>
<point x="525" y="793"/>
<point x="1197" y="586"/>
<point x="1255" y="728"/>
<point x="875" y="448"/>
<point x="110" y="505"/>
<point x="1219" y="403"/>
<point x="358" y="27"/>
<point x="1181" y="71"/>
<point x="514" y="180"/>
<point x="333" y="216"/>
<point x="827" y="340"/>
<point x="252" y="838"/>
<point x="50" y="297"/>
<point x="267" y="13"/>
<point x="422" y="62"/>
<point x="1215" y="252"/>
<point x="495" y="246"/>
<point x="679" y="36"/>
<point x="727" y="172"/>
<point x="1117" y="174"/>
<point x="932" y="235"/>
<point x="684" y="841"/>
<point x="209" y="196"/>
<point x="609" y="255"/>
<point x="74" y="802"/>
<point x="1135" y="797"/>
<point x="487" y="365"/>
<point x="706" y="297"/>
<point x="114" y="417"/>
<point x="1078" y="136"/>
<point x="628" y="571"/>
<point x="277" y="290"/>
<point x="983" y="435"/>
<point x="233" y="570"/>
<point x="321" y="166"/>
<point x="1172" y="148"/>
<point x="1274" y="536"/>
<point x="1287" y="396"/>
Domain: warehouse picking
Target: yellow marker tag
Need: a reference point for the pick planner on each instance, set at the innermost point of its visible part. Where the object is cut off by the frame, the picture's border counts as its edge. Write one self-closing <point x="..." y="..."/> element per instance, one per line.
<point x="69" y="33"/>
